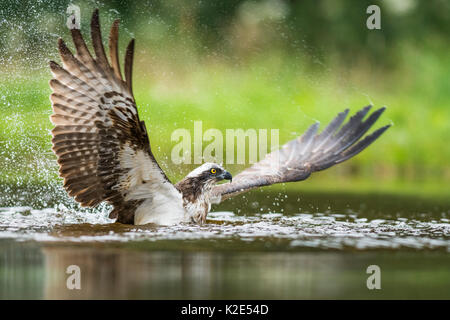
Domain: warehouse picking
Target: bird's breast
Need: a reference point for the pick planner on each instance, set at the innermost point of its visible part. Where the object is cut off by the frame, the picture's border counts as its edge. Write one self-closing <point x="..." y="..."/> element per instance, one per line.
<point x="161" y="212"/>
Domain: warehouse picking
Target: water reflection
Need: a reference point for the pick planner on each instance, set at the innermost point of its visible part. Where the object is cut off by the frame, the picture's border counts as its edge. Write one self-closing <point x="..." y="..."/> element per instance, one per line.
<point x="294" y="232"/>
<point x="30" y="271"/>
<point x="318" y="247"/>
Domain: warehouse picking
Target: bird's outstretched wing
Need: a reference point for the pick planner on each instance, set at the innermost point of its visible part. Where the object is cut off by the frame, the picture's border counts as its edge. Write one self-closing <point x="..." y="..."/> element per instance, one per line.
<point x="102" y="147"/>
<point x="312" y="151"/>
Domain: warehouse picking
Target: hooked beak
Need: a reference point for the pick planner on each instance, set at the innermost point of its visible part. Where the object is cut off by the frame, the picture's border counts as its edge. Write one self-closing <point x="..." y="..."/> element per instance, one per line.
<point x="226" y="175"/>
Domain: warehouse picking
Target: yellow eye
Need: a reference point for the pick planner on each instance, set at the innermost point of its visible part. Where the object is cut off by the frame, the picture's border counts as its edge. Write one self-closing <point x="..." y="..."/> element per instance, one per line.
<point x="213" y="171"/>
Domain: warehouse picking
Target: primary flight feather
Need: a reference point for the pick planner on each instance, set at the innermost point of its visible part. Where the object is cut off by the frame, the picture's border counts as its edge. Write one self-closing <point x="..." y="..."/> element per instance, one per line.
<point x="104" y="152"/>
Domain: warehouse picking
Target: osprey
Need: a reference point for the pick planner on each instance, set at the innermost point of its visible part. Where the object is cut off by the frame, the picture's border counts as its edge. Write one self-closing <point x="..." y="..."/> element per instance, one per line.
<point x="104" y="153"/>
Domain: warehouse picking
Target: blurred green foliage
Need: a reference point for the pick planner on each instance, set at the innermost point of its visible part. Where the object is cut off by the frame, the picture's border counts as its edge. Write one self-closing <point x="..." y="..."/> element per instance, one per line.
<point x="324" y="29"/>
<point x="249" y="64"/>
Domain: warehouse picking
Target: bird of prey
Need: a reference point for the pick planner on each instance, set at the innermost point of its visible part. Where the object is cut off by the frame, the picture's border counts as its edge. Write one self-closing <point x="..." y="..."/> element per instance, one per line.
<point x="104" y="153"/>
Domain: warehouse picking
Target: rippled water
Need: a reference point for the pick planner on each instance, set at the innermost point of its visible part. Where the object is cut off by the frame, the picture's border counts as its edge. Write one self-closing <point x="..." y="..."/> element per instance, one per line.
<point x="289" y="220"/>
<point x="266" y="245"/>
<point x="318" y="230"/>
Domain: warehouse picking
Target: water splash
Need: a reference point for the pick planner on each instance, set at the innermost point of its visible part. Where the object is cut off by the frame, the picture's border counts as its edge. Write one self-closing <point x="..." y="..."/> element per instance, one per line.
<point x="294" y="232"/>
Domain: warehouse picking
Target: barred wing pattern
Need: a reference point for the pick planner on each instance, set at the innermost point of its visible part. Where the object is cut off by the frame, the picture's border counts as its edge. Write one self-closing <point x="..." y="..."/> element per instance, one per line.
<point x="298" y="158"/>
<point x="102" y="147"/>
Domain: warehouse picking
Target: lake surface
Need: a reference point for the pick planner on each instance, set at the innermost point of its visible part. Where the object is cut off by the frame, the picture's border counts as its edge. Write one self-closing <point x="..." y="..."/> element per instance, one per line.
<point x="265" y="245"/>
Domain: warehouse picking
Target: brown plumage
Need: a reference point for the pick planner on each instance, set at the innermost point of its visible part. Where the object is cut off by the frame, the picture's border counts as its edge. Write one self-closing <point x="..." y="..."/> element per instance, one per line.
<point x="104" y="153"/>
<point x="96" y="118"/>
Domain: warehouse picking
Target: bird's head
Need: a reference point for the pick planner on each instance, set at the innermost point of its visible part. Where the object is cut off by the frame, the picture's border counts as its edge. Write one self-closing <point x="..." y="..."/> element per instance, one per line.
<point x="208" y="174"/>
<point x="201" y="180"/>
<point x="196" y="189"/>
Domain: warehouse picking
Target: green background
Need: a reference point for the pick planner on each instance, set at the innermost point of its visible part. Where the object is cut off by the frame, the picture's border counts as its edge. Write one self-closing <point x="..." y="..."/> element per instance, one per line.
<point x="249" y="64"/>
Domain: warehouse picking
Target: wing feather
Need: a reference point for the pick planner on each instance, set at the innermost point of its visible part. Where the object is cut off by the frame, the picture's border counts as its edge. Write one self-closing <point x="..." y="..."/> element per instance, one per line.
<point x="102" y="147"/>
<point x="113" y="48"/>
<point x="96" y="36"/>
<point x="298" y="158"/>
<point x="129" y="64"/>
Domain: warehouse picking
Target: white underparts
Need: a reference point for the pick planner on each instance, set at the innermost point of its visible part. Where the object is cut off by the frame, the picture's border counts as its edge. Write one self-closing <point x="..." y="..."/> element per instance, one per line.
<point x="162" y="203"/>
